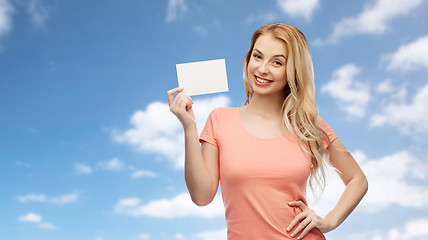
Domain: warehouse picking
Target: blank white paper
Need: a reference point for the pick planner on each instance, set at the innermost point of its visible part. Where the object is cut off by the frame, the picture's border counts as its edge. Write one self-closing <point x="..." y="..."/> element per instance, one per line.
<point x="203" y="77"/>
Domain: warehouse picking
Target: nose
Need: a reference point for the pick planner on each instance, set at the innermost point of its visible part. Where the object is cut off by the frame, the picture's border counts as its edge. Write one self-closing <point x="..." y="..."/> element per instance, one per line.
<point x="263" y="68"/>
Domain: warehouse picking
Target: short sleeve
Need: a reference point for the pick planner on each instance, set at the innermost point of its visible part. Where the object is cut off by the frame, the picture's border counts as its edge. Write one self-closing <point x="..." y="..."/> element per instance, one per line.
<point x="209" y="133"/>
<point x="328" y="130"/>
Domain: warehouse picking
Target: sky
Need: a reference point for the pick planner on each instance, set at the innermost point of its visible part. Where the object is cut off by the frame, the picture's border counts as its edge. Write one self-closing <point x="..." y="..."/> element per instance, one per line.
<point x="90" y="151"/>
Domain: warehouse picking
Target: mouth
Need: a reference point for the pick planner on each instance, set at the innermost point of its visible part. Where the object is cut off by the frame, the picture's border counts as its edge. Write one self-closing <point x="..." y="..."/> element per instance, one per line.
<point x="262" y="81"/>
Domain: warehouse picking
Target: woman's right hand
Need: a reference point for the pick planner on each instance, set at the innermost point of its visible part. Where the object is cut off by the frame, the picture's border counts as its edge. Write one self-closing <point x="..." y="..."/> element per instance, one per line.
<point x="181" y="106"/>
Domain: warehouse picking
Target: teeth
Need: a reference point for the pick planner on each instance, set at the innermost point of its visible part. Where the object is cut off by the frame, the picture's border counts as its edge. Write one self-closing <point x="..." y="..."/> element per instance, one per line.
<point x="262" y="80"/>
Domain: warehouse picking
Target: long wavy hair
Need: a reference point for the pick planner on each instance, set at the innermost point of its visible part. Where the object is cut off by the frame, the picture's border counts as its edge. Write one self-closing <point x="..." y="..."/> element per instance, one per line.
<point x="299" y="110"/>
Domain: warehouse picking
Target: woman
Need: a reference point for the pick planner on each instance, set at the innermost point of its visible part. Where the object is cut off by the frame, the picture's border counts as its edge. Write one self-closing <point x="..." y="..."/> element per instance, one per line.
<point x="264" y="152"/>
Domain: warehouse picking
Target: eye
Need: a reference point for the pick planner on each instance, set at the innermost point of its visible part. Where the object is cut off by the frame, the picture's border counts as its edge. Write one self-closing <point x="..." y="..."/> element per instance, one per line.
<point x="277" y="63"/>
<point x="257" y="56"/>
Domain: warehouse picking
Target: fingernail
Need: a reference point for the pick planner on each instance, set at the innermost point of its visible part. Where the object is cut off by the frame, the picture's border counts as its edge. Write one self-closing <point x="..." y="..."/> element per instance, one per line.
<point x="299" y="237"/>
<point x="292" y="235"/>
<point x="288" y="229"/>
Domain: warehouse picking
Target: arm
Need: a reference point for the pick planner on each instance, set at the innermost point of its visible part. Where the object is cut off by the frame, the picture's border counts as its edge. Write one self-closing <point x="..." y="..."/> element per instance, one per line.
<point x="354" y="179"/>
<point x="356" y="187"/>
<point x="201" y="167"/>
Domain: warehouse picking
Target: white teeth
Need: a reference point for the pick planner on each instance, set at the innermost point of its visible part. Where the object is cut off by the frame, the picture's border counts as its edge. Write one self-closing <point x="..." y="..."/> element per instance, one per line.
<point x="262" y="80"/>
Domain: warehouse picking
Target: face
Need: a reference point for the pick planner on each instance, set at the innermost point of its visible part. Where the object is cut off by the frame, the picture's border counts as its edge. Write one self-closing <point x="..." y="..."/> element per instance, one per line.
<point x="267" y="66"/>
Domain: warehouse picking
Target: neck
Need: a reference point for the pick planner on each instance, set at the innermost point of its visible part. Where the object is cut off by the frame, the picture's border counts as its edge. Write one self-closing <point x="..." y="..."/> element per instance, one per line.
<point x="266" y="105"/>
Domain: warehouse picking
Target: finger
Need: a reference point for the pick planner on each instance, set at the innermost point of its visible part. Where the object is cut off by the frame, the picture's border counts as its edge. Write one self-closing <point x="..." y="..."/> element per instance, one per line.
<point x="171" y="93"/>
<point x="182" y="101"/>
<point x="179" y="104"/>
<point x="183" y="97"/>
<point x="189" y="103"/>
<point x="306" y="230"/>
<point x="299" y="204"/>
<point x="301" y="226"/>
<point x="295" y="220"/>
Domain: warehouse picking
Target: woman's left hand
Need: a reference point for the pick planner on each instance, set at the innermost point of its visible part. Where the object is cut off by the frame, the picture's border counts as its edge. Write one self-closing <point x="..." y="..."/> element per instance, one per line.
<point x="308" y="220"/>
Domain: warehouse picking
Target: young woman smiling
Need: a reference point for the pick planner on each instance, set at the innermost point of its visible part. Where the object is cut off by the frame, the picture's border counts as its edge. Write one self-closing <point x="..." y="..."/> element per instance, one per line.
<point x="264" y="153"/>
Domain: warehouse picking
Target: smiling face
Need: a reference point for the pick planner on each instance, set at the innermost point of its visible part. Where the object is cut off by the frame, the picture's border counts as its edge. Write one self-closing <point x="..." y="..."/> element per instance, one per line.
<point x="267" y="66"/>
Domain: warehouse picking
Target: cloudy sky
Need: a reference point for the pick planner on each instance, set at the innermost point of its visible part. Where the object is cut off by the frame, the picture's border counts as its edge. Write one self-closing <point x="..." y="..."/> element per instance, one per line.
<point x="90" y="151"/>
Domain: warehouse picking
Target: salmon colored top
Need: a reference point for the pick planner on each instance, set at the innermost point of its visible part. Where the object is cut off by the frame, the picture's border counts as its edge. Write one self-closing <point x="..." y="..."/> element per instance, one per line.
<point x="258" y="178"/>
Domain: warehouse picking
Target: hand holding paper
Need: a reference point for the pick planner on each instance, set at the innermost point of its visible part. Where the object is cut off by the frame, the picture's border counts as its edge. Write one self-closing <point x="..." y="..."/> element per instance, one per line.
<point x="203" y="77"/>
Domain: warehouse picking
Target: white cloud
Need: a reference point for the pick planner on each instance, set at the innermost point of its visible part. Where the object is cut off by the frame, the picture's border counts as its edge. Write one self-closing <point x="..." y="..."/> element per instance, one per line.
<point x="63" y="199"/>
<point x="23" y="164"/>
<point x="32" y="198"/>
<point x="37" y="12"/>
<point x="389" y="92"/>
<point x="143" y="173"/>
<point x="385" y="87"/>
<point x="263" y="18"/>
<point x="157" y="130"/>
<point x="82" y="168"/>
<point x="36" y="219"/>
<point x="116" y="165"/>
<point x="176" y="9"/>
<point x="46" y="226"/>
<point x="201" y="30"/>
<point x="373" y="20"/>
<point x="390" y="178"/>
<point x="113" y="165"/>
<point x="301" y="8"/>
<point x="409" y="118"/>
<point x="410" y="56"/>
<point x="176" y="207"/>
<point x="144" y="236"/>
<point x="179" y="236"/>
<point x="324" y="202"/>
<point x="6" y="11"/>
<point x="30" y="217"/>
<point x="412" y="230"/>
<point x="212" y="235"/>
<point x="352" y="94"/>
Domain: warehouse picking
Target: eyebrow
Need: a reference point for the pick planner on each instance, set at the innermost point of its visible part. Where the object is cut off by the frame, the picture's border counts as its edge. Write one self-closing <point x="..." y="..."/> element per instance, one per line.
<point x="278" y="55"/>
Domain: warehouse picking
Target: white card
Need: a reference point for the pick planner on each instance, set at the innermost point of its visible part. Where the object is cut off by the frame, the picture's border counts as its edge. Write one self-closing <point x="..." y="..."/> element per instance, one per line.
<point x="203" y="77"/>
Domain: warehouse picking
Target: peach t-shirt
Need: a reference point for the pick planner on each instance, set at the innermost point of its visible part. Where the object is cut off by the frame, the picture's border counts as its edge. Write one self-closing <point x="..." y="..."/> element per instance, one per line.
<point x="258" y="177"/>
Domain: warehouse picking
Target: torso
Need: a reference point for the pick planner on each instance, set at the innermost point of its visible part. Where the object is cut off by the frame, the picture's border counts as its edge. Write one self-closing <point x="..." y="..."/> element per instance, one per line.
<point x="260" y="172"/>
<point x="265" y="127"/>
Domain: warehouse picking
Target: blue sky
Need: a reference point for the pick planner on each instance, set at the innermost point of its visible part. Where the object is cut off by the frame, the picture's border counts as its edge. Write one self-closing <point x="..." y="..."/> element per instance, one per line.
<point x="89" y="149"/>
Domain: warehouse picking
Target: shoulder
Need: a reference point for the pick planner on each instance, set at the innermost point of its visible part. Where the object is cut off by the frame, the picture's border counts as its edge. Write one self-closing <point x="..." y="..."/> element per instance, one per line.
<point x="322" y="122"/>
<point x="222" y="115"/>
<point x="326" y="128"/>
<point x="223" y="111"/>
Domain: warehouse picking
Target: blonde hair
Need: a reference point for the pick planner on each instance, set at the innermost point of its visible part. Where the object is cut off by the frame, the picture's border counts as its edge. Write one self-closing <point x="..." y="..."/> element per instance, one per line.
<point x="299" y="110"/>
